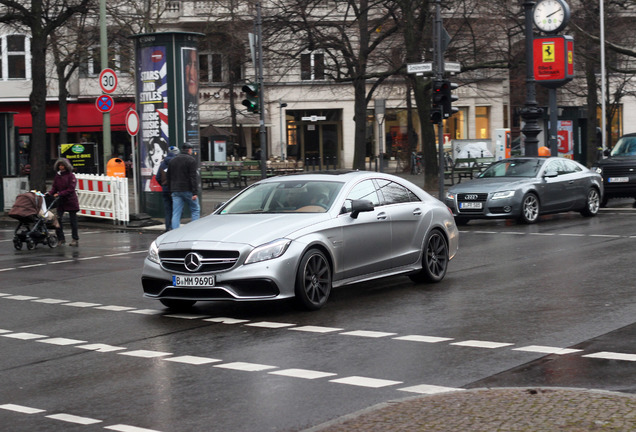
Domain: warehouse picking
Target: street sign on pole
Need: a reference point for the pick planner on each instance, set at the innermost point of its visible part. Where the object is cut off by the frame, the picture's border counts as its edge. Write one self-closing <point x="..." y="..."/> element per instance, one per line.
<point x="132" y="122"/>
<point x="419" y="67"/>
<point x="452" y="67"/>
<point x="108" y="80"/>
<point x="104" y="103"/>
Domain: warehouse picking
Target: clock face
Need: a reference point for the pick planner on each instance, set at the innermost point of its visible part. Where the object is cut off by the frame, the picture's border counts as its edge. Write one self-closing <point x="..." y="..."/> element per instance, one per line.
<point x="550" y="15"/>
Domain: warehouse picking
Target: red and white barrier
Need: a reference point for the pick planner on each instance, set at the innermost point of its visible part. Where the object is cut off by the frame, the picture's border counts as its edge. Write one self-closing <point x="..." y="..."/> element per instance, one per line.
<point x="103" y="197"/>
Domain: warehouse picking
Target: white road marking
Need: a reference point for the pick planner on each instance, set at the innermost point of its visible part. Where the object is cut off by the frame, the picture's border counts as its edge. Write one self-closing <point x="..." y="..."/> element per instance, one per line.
<point x="193" y="360"/>
<point x="316" y="329"/>
<point x="115" y="308"/>
<point x="126" y="428"/>
<point x="102" y="348"/>
<point x="612" y="356"/>
<point x="365" y="382"/>
<point x="5" y="331"/>
<point x="24" y="336"/>
<point x="81" y="304"/>
<point x="481" y="344"/>
<point x="21" y="297"/>
<point x="31" y="265"/>
<point x="4" y="294"/>
<point x="73" y="419"/>
<point x="145" y="353"/>
<point x="186" y="316"/>
<point x="7" y="269"/>
<point x="50" y="301"/>
<point x="302" y="373"/>
<point x="426" y="339"/>
<point x="61" y="262"/>
<point x="224" y="320"/>
<point x="245" y="366"/>
<point x="369" y="334"/>
<point x="547" y="350"/>
<point x="61" y="341"/>
<point x="429" y="389"/>
<point x="146" y="311"/>
<point x="21" y="409"/>
<point x="269" y="324"/>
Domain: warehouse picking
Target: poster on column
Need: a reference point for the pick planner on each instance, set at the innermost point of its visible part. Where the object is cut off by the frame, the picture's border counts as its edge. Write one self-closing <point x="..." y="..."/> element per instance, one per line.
<point x="190" y="83"/>
<point x="153" y="100"/>
<point x="565" y="135"/>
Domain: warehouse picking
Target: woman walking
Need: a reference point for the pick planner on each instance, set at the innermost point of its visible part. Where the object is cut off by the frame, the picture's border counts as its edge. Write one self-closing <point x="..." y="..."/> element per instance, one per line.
<point x="64" y="187"/>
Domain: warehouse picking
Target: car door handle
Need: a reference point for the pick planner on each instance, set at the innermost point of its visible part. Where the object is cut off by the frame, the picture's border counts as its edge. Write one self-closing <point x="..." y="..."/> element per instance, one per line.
<point x="417" y="212"/>
<point x="382" y="216"/>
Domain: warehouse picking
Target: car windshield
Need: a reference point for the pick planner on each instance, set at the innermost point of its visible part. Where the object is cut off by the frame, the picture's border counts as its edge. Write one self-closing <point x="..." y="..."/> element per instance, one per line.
<point x="514" y="168"/>
<point x="626" y="146"/>
<point x="285" y="196"/>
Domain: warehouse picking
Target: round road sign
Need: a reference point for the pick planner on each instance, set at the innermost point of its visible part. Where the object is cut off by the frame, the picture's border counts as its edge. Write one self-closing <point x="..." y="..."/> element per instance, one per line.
<point x="132" y="122"/>
<point x="108" y="80"/>
<point x="104" y="103"/>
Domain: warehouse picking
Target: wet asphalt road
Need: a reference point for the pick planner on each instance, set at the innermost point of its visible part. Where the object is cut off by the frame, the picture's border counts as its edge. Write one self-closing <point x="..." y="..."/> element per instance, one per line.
<point x="550" y="304"/>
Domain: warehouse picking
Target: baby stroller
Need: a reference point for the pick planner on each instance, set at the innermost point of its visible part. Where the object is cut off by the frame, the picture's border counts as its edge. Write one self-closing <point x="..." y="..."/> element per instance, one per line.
<point x="32" y="210"/>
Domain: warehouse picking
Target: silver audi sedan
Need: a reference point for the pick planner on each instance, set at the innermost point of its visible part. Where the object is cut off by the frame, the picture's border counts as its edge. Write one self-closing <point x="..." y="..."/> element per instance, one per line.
<point x="524" y="188"/>
<point x="300" y="236"/>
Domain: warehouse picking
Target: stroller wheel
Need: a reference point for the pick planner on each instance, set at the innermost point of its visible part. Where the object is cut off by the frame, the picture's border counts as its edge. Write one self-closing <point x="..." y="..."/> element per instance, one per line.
<point x="30" y="244"/>
<point x="51" y="240"/>
<point x="17" y="243"/>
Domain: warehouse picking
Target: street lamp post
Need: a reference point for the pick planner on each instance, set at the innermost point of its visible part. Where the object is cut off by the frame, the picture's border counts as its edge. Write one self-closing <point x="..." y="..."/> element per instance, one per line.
<point x="531" y="112"/>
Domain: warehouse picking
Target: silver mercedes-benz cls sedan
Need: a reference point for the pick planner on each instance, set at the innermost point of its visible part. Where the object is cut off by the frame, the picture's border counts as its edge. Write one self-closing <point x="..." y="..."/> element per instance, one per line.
<point x="299" y="236"/>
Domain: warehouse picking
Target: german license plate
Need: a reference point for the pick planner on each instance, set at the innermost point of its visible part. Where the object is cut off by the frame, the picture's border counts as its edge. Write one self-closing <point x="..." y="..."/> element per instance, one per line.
<point x="470" y="205"/>
<point x="618" y="180"/>
<point x="193" y="281"/>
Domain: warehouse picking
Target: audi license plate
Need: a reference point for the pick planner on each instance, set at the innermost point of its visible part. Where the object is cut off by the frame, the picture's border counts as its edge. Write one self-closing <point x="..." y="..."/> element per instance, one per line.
<point x="193" y="281"/>
<point x="470" y="205"/>
<point x="618" y="180"/>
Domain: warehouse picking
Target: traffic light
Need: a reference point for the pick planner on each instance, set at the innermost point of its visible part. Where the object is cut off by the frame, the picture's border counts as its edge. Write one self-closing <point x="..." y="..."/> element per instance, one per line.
<point x="448" y="98"/>
<point x="437" y="99"/>
<point x="251" y="100"/>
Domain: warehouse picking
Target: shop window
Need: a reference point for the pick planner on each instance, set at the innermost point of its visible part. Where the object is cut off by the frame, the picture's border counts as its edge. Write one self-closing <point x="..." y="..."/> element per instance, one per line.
<point x="312" y="66"/>
<point x="482" y="122"/>
<point x="616" y="123"/>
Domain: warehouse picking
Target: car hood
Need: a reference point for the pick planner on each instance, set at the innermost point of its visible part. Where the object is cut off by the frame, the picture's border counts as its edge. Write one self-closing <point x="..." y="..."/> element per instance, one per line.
<point x="617" y="160"/>
<point x="252" y="229"/>
<point x="490" y="184"/>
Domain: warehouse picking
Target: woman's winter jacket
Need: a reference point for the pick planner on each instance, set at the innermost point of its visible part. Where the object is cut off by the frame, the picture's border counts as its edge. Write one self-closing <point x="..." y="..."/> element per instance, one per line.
<point x="64" y="185"/>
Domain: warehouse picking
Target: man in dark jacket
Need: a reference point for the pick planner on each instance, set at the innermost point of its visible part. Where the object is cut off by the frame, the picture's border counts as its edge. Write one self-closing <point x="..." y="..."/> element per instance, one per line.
<point x="162" y="179"/>
<point x="183" y="179"/>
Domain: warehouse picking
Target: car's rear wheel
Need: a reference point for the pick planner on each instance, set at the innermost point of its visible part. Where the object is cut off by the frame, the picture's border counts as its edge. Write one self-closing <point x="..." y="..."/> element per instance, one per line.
<point x="592" y="204"/>
<point x="178" y="304"/>
<point x="313" y="280"/>
<point x="435" y="259"/>
<point x="530" y="208"/>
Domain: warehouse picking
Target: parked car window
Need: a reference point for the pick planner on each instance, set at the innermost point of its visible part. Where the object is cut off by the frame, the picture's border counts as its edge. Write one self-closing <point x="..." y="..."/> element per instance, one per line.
<point x="394" y="193"/>
<point x="364" y="190"/>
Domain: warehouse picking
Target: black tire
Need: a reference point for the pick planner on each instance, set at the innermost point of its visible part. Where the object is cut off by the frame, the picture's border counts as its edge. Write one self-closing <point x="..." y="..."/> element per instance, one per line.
<point x="51" y="241"/>
<point x="177" y="304"/>
<point x="592" y="204"/>
<point x="17" y="243"/>
<point x="530" y="209"/>
<point x="30" y="244"/>
<point x="313" y="280"/>
<point x="435" y="259"/>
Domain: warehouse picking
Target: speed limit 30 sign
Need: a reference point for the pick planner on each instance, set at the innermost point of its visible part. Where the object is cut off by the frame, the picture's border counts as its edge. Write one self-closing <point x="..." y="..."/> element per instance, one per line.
<point x="108" y="80"/>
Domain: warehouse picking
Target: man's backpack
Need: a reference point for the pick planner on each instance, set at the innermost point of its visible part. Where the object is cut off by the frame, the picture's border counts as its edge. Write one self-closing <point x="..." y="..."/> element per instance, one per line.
<point x="164" y="176"/>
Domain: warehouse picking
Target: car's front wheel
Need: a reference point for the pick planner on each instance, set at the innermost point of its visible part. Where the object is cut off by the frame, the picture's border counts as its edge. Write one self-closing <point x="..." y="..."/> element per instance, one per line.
<point x="435" y="259"/>
<point x="177" y="304"/>
<point x="313" y="280"/>
<point x="592" y="204"/>
<point x="530" y="208"/>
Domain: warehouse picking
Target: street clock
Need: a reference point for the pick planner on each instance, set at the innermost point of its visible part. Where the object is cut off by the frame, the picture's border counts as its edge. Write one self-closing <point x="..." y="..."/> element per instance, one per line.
<point x="551" y="16"/>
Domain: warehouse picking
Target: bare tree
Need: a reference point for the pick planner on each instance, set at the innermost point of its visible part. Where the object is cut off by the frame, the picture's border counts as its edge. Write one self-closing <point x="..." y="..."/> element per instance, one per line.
<point x="41" y="17"/>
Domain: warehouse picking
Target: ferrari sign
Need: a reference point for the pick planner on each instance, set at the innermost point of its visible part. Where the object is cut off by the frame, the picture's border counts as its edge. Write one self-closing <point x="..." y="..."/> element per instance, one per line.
<point x="553" y="60"/>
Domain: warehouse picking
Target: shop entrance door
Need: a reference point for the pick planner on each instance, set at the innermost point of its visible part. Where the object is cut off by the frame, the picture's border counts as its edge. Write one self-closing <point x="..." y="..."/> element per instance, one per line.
<point x="319" y="143"/>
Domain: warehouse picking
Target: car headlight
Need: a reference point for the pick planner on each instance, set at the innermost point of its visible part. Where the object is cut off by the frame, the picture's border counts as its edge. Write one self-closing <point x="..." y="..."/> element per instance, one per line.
<point x="153" y="252"/>
<point x="268" y="251"/>
<point x="504" y="194"/>
<point x="597" y="169"/>
<point x="450" y="196"/>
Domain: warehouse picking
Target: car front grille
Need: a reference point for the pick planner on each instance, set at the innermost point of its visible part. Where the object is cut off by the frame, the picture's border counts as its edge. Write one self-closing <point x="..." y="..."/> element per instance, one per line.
<point x="472" y="197"/>
<point x="211" y="261"/>
<point x="618" y="171"/>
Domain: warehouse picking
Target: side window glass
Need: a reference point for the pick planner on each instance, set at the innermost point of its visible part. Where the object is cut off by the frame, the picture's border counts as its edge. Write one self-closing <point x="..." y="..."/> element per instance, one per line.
<point x="364" y="190"/>
<point x="394" y="193"/>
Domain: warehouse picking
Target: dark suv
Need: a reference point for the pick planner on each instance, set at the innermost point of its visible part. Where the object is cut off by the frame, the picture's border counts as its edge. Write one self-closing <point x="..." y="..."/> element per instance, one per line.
<point x="619" y="170"/>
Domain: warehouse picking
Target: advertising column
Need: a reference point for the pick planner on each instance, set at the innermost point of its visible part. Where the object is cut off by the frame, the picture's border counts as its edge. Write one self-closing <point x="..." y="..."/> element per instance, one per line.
<point x="167" y="89"/>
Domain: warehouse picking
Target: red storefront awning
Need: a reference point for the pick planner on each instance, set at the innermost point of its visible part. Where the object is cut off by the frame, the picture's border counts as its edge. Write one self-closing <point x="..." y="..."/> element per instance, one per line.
<point x="82" y="116"/>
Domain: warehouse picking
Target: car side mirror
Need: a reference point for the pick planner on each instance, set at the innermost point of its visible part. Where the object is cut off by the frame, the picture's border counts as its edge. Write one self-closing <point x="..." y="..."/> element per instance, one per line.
<point x="359" y="206"/>
<point x="551" y="174"/>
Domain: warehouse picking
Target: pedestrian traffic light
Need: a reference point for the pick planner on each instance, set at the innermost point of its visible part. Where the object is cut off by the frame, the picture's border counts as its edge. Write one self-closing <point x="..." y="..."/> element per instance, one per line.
<point x="251" y="100"/>
<point x="448" y="98"/>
